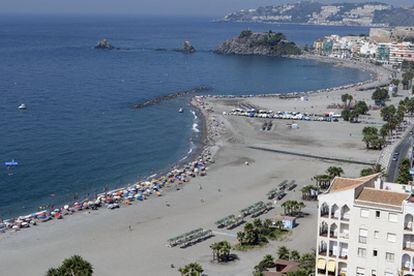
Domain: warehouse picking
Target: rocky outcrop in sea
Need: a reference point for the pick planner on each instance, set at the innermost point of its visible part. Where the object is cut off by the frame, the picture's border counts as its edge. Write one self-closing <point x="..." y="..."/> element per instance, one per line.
<point x="263" y="44"/>
<point x="188" y="48"/>
<point x="104" y="45"/>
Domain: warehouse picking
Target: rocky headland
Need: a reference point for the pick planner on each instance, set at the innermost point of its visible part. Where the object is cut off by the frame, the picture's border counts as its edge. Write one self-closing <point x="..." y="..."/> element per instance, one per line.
<point x="263" y="44"/>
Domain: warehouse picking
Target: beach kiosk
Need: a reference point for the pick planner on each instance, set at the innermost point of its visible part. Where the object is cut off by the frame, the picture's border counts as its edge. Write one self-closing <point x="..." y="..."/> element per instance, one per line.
<point x="289" y="222"/>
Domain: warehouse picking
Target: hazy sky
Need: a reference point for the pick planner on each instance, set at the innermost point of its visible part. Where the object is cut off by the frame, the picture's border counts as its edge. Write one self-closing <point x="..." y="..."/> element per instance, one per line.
<point x="162" y="7"/>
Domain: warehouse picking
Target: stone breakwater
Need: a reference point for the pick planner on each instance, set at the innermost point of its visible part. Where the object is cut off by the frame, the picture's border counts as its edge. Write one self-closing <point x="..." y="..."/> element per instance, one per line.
<point x="168" y="97"/>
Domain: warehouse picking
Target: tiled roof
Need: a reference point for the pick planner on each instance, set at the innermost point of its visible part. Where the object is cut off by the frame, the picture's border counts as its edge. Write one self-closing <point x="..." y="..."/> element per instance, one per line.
<point x="383" y="198"/>
<point x="341" y="183"/>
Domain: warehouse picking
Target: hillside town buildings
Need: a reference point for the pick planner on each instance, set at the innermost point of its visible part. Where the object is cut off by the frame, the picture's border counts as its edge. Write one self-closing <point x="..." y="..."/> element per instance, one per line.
<point x="365" y="227"/>
<point x="382" y="46"/>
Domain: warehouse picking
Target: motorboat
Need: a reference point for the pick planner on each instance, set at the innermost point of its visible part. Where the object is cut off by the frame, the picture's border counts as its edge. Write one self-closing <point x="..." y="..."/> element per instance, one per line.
<point x="22" y="107"/>
<point x="180" y="110"/>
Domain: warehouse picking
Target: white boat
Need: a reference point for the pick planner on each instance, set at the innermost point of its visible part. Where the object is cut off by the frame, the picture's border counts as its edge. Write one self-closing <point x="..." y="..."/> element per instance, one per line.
<point x="180" y="110"/>
<point x="22" y="107"/>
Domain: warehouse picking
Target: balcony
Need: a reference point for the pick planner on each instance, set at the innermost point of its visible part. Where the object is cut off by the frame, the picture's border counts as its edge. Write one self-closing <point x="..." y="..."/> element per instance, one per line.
<point x="408" y="242"/>
<point x="343" y="251"/>
<point x="344" y="231"/>
<point x="345" y="213"/>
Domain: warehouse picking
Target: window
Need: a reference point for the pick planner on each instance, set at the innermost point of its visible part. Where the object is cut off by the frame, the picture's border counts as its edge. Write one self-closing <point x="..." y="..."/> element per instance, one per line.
<point x="364" y="213"/>
<point x="363" y="234"/>
<point x="362" y="252"/>
<point x="374" y="253"/>
<point x="373" y="272"/>
<point x="389" y="257"/>
<point x="377" y="214"/>
<point x="392" y="217"/>
<point x="376" y="234"/>
<point x="391" y="237"/>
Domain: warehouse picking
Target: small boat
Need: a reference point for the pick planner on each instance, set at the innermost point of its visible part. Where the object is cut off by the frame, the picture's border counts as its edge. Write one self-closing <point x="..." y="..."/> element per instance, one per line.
<point x="180" y="110"/>
<point x="22" y="107"/>
<point x="11" y="163"/>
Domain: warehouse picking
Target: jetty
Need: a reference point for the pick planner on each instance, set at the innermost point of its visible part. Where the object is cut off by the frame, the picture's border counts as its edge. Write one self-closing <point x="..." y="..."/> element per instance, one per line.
<point x="168" y="97"/>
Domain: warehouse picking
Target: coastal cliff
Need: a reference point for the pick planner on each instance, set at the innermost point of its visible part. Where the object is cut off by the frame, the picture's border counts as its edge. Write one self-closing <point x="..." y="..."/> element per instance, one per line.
<point x="263" y="44"/>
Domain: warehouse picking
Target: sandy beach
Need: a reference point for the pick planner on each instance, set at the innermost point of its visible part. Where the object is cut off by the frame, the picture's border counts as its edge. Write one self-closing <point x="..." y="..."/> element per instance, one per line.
<point x="133" y="239"/>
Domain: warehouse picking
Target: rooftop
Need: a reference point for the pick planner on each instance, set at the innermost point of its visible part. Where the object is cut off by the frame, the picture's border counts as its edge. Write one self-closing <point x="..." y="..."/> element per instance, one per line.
<point x="282" y="268"/>
<point x="381" y="198"/>
<point x="342" y="184"/>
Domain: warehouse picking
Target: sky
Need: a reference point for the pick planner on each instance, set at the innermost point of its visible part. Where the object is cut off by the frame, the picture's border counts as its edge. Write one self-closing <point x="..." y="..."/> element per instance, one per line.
<point x="145" y="7"/>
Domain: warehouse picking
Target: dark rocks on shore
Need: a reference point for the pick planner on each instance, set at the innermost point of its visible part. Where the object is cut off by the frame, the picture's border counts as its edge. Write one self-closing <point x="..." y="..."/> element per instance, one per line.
<point x="104" y="45"/>
<point x="263" y="44"/>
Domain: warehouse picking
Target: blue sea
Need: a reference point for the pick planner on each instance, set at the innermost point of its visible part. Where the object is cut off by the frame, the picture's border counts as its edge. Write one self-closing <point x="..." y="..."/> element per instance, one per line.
<point x="79" y="134"/>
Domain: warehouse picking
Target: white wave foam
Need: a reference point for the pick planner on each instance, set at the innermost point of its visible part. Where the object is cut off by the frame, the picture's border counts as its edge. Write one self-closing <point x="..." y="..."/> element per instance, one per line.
<point x="195" y="124"/>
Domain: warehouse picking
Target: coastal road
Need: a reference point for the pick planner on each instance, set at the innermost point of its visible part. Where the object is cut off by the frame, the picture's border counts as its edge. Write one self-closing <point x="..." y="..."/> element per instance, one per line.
<point x="400" y="152"/>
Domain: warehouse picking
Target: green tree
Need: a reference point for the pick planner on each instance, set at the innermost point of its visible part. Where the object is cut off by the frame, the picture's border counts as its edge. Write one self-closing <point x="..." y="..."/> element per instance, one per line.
<point x="192" y="269"/>
<point x="283" y="253"/>
<point x="346" y="114"/>
<point x="361" y="107"/>
<point x="404" y="175"/>
<point x="334" y="171"/>
<point x="347" y="99"/>
<point x="74" y="265"/>
<point x="388" y="112"/>
<point x="294" y="255"/>
<point x="380" y="95"/>
<point x="266" y="263"/>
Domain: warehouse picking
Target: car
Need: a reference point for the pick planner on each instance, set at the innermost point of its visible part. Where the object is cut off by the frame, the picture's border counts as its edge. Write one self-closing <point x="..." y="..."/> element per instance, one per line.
<point x="395" y="158"/>
<point x="396" y="153"/>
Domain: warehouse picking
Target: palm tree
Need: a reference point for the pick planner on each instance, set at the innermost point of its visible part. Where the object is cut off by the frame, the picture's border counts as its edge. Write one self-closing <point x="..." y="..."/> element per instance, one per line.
<point x="74" y="265"/>
<point x="279" y="225"/>
<point x="334" y="171"/>
<point x="294" y="255"/>
<point x="224" y="251"/>
<point x="221" y="251"/>
<point x="283" y="253"/>
<point x="287" y="205"/>
<point x="192" y="269"/>
<point x="215" y="247"/>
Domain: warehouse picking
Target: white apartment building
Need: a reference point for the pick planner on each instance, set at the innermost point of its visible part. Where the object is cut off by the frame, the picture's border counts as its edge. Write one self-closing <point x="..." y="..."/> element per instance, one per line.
<point x="365" y="228"/>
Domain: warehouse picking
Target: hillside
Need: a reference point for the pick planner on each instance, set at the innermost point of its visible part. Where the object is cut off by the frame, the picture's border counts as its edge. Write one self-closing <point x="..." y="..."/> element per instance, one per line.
<point x="363" y="14"/>
<point x="264" y="44"/>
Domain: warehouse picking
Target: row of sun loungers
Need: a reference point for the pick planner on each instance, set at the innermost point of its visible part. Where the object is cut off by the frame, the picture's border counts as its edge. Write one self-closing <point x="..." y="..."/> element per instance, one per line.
<point x="256" y="209"/>
<point x="230" y="222"/>
<point x="279" y="192"/>
<point x="190" y="238"/>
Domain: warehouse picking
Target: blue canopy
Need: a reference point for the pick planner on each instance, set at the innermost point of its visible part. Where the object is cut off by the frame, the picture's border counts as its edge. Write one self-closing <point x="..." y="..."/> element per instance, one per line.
<point x="11" y="163"/>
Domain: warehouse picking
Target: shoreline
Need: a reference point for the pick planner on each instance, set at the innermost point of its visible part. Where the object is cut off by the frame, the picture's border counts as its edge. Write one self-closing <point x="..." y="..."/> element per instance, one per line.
<point x="239" y="177"/>
<point x="204" y="148"/>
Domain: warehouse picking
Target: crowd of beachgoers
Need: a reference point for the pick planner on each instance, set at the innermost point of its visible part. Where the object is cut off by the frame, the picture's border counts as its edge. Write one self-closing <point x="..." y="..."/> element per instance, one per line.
<point x="114" y="199"/>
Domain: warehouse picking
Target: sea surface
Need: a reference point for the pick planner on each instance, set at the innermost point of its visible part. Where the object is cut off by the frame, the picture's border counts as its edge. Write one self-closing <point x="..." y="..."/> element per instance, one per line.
<point x="79" y="134"/>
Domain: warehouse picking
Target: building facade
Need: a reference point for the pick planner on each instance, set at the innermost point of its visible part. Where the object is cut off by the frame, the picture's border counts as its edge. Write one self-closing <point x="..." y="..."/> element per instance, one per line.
<point x="365" y="228"/>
